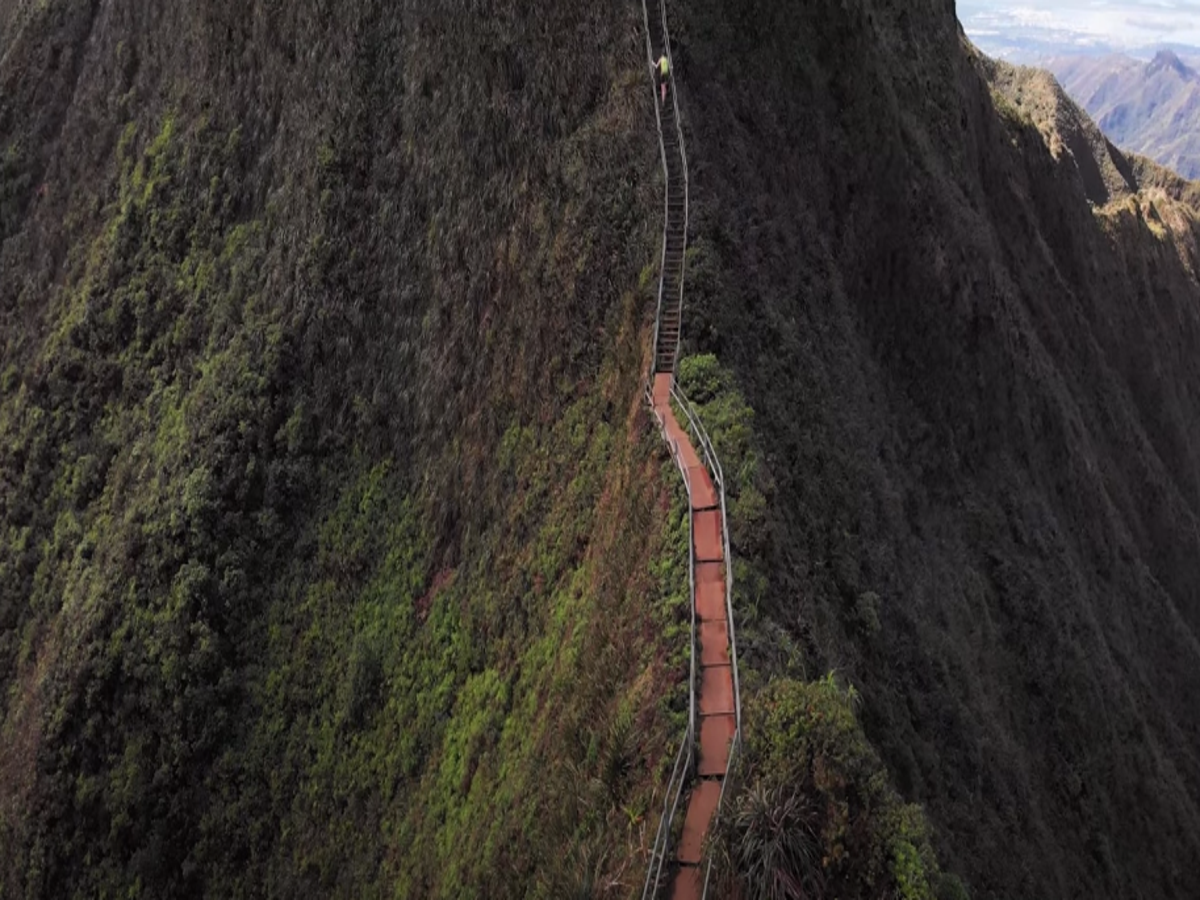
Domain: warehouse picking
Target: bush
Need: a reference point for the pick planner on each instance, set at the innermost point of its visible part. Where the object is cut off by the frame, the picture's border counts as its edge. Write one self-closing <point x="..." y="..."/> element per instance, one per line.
<point x="814" y="815"/>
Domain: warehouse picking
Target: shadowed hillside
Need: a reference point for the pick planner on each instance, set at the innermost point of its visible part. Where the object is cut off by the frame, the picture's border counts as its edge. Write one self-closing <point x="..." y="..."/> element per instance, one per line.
<point x="1034" y="96"/>
<point x="976" y="400"/>
<point x="339" y="557"/>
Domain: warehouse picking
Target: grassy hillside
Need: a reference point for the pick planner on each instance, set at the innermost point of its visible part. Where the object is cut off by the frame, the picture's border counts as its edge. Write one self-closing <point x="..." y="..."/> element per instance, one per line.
<point x="338" y="557"/>
<point x="333" y="539"/>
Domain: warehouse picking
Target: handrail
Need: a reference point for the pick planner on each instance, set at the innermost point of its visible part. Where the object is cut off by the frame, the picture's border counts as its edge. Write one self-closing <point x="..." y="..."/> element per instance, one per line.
<point x="718" y="475"/>
<point x="662" y="269"/>
<point x="687" y="206"/>
<point x="662" y="275"/>
<point x="713" y="463"/>
<point x="735" y="746"/>
<point x="686" y="756"/>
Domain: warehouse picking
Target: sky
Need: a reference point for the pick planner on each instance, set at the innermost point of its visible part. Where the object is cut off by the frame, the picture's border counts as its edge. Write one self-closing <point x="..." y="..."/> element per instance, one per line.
<point x="1062" y="25"/>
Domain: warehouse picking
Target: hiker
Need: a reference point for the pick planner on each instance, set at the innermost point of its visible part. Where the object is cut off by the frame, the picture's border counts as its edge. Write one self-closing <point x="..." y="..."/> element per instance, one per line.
<point x="663" y="68"/>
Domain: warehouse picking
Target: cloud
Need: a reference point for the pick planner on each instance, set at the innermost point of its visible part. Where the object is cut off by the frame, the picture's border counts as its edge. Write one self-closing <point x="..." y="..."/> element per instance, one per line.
<point x="1160" y="25"/>
<point x="1124" y="24"/>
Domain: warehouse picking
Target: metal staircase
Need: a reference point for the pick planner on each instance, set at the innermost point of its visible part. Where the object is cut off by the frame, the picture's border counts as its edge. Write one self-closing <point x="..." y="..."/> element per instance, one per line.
<point x="712" y="737"/>
<point x="669" y="318"/>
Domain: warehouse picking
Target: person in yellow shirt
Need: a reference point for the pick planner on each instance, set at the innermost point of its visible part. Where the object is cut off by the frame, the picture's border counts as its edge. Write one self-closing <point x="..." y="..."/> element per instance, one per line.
<point x="662" y="68"/>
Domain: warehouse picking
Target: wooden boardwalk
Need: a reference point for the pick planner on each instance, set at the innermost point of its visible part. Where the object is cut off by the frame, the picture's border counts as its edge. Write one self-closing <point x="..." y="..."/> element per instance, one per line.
<point x="715" y="694"/>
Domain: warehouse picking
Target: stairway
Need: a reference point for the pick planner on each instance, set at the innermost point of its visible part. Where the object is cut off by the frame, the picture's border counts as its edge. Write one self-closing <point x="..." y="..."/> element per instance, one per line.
<point x="715" y="694"/>
<point x="670" y="311"/>
<point x="715" y="716"/>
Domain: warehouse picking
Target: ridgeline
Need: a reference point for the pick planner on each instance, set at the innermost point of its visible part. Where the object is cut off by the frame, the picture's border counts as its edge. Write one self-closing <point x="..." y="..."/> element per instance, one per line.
<point x="339" y="554"/>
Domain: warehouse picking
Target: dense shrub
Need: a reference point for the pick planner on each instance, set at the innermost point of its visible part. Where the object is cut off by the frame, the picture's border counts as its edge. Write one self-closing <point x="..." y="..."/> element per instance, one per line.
<point x="813" y="815"/>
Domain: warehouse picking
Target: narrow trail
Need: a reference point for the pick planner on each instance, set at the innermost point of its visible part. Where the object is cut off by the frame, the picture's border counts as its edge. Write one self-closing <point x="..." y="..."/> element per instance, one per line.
<point x="714" y="719"/>
<point x="713" y="698"/>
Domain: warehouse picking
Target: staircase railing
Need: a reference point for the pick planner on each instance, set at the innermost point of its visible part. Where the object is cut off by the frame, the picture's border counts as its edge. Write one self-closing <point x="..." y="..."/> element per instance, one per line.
<point x="713" y="463"/>
<point x="666" y="33"/>
<point x="687" y="750"/>
<point x="662" y="269"/>
<point x="674" y="94"/>
<point x="686" y="755"/>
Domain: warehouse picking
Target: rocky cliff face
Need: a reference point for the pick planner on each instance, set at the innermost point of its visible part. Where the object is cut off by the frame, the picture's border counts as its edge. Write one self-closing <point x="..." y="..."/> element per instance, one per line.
<point x="335" y="554"/>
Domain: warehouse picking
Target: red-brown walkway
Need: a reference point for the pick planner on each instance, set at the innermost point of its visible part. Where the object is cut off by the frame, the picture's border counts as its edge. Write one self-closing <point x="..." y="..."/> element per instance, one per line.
<point x="714" y="699"/>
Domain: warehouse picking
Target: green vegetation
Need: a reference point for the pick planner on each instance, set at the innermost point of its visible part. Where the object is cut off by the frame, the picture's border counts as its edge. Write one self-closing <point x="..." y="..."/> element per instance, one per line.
<point x="813" y="814"/>
<point x="142" y="520"/>
<point x="14" y="188"/>
<point x="384" y="681"/>
<point x="1012" y="110"/>
<point x="338" y="556"/>
<point x="322" y="572"/>
<point x="286" y="683"/>
<point x="750" y="489"/>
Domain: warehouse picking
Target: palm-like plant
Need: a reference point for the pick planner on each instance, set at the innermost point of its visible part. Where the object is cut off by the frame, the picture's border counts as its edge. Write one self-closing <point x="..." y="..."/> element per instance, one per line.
<point x="768" y="846"/>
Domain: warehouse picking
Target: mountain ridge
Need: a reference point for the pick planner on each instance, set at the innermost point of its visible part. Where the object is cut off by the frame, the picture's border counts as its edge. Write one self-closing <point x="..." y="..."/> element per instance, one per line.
<point x="339" y="556"/>
<point x="1152" y="109"/>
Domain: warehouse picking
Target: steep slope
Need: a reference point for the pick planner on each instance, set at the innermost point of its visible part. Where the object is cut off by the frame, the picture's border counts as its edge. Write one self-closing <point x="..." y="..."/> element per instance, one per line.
<point x="1103" y="172"/>
<point x="1148" y="108"/>
<point x="337" y="552"/>
<point x="1094" y="79"/>
<point x="333" y="534"/>
<point x="975" y="399"/>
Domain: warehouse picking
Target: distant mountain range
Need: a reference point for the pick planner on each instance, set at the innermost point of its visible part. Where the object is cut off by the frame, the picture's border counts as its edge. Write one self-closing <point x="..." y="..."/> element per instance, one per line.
<point x="1148" y="108"/>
